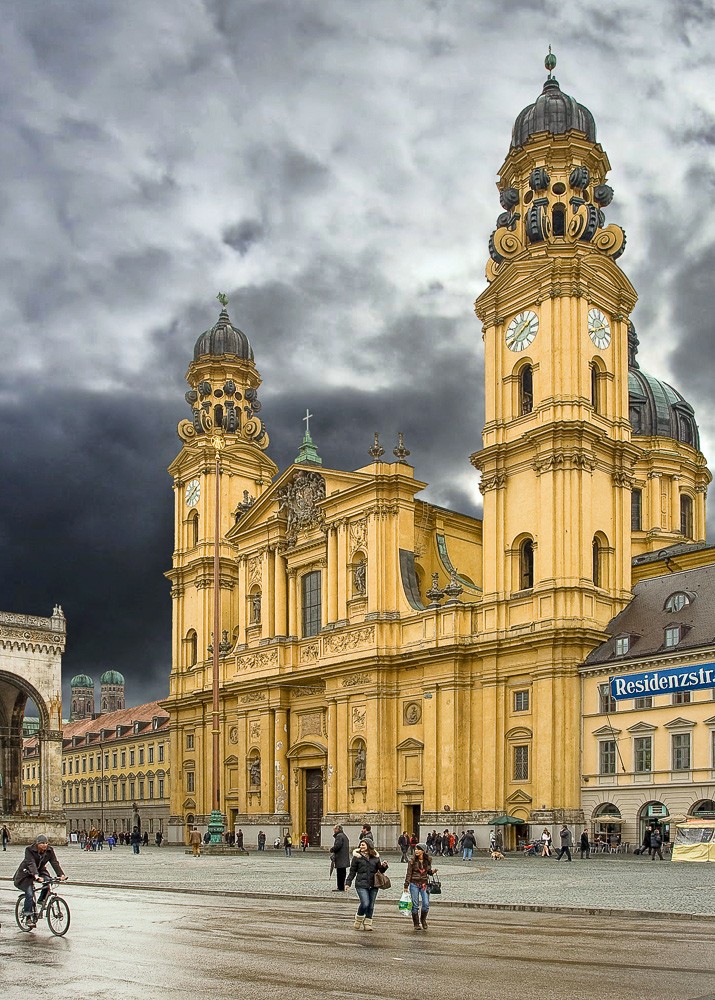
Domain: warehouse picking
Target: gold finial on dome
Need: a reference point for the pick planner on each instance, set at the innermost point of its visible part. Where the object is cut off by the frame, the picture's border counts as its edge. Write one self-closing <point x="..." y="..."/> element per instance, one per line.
<point x="550" y="62"/>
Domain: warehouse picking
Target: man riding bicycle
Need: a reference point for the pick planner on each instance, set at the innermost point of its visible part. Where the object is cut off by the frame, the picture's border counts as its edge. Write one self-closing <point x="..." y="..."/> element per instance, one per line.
<point x="37" y="857"/>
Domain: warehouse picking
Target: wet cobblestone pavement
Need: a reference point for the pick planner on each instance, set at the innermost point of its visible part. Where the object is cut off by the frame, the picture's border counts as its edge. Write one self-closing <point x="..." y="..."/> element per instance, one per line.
<point x="607" y="882"/>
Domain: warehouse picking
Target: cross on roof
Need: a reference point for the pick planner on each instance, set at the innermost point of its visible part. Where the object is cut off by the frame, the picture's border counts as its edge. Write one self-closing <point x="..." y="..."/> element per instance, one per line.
<point x="308" y="416"/>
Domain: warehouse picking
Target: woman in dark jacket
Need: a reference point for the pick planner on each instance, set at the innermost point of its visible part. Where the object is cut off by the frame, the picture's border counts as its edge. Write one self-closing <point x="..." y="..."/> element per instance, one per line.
<point x="363" y="868"/>
<point x="418" y="869"/>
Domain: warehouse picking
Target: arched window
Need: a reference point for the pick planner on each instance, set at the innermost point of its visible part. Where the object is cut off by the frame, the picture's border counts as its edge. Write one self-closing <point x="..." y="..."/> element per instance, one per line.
<point x="558" y="221"/>
<point x="193" y="528"/>
<point x="218" y="415"/>
<point x="596" y="555"/>
<point x="686" y="515"/>
<point x="526" y="564"/>
<point x="595" y="394"/>
<point x="526" y="389"/>
<point x="192" y="648"/>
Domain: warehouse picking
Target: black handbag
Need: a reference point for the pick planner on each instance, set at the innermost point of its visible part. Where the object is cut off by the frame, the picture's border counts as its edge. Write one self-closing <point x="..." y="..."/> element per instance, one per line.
<point x="434" y="886"/>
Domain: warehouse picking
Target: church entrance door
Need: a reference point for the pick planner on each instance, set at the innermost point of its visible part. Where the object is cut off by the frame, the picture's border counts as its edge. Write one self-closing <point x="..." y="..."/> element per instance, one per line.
<point x="313" y="804"/>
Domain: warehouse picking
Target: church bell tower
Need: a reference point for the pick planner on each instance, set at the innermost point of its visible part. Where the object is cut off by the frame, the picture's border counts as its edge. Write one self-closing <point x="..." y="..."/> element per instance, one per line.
<point x="557" y="454"/>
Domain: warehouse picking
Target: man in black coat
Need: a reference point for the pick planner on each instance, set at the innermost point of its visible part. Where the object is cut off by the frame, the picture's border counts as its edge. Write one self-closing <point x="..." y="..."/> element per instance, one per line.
<point x="34" y="865"/>
<point x="340" y="856"/>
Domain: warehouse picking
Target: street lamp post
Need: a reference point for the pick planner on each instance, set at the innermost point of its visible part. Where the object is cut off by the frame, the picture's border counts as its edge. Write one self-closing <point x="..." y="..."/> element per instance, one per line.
<point x="216" y="818"/>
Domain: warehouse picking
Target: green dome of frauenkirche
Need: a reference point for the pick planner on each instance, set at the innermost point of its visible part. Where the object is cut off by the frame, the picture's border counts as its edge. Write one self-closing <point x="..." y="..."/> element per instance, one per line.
<point x="82" y="681"/>
<point x="111" y="677"/>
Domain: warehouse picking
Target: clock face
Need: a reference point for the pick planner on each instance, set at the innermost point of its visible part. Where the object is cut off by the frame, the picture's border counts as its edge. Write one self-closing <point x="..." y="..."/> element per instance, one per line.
<point x="599" y="329"/>
<point x="522" y="330"/>
<point x="193" y="492"/>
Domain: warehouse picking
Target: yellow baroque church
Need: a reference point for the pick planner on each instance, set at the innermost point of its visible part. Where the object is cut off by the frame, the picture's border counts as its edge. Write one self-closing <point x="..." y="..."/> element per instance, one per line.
<point x="385" y="660"/>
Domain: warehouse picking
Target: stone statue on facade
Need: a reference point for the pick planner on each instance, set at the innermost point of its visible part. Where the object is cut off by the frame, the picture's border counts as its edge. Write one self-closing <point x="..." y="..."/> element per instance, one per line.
<point x="256" y="609"/>
<point x="360" y="578"/>
<point x="254" y="771"/>
<point x="360" y="765"/>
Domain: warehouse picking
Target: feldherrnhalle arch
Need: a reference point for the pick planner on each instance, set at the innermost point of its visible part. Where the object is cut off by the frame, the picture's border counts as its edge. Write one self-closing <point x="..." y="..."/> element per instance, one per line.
<point x="30" y="668"/>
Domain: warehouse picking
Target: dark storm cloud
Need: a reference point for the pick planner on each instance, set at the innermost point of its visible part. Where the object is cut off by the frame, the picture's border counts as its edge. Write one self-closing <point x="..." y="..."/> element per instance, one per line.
<point x="332" y="168"/>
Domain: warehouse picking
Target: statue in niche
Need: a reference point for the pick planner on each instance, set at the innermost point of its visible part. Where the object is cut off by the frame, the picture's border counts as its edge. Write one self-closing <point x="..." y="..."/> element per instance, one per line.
<point x="360" y="578"/>
<point x="360" y="765"/>
<point x="256" y="609"/>
<point x="254" y="771"/>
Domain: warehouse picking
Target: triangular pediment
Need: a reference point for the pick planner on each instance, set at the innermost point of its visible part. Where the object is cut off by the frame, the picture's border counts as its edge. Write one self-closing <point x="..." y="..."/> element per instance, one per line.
<point x="410" y="744"/>
<point x="189" y="804"/>
<point x="642" y="727"/>
<point x="233" y="759"/>
<point x="680" y="723"/>
<point x="710" y="721"/>
<point x="518" y="797"/>
<point x="606" y="731"/>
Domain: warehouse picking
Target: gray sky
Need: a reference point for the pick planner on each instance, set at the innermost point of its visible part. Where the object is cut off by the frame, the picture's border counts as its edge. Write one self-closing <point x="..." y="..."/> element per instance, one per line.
<point x="332" y="168"/>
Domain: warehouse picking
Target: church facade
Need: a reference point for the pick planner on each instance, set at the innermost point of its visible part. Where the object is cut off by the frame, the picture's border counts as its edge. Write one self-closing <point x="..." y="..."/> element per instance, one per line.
<point x="387" y="660"/>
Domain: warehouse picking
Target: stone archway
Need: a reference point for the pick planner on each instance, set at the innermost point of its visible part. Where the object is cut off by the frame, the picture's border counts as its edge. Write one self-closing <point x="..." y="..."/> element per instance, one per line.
<point x="30" y="668"/>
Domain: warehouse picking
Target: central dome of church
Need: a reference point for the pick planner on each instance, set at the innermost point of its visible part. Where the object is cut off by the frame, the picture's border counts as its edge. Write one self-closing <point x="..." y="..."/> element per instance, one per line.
<point x="223" y="338"/>
<point x="656" y="409"/>
<point x="555" y="112"/>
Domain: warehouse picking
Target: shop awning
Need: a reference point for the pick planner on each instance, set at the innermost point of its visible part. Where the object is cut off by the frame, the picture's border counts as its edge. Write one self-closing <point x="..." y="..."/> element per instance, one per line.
<point x="507" y="821"/>
<point x="606" y="818"/>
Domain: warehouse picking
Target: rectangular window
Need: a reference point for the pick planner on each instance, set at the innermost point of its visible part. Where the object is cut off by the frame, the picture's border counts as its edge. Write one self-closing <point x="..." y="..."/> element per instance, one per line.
<point x="161" y="788"/>
<point x="69" y="765"/>
<point x="76" y="765"/>
<point x="311" y="603"/>
<point x="131" y="790"/>
<point x="645" y="702"/>
<point x="161" y="753"/>
<point x="99" y="760"/>
<point x="124" y="790"/>
<point x="64" y="796"/>
<point x="106" y="761"/>
<point x="636" y="503"/>
<point x="114" y="791"/>
<point x="623" y="643"/>
<point x="34" y="797"/>
<point x="114" y="758"/>
<point x="91" y="793"/>
<point x="521" y="763"/>
<point x="124" y="758"/>
<point x="84" y="765"/>
<point x="150" y="757"/>
<point x="607" y="757"/>
<point x="643" y="748"/>
<point x="84" y="793"/>
<point x="151" y="789"/>
<point x="672" y="636"/>
<point x="189" y="781"/>
<point x="34" y="771"/>
<point x="681" y="698"/>
<point x="189" y="741"/>
<point x="521" y="701"/>
<point x="606" y="704"/>
<point x="91" y="763"/>
<point x="141" y="789"/>
<point x="131" y="758"/>
<point x="141" y="755"/>
<point x="64" y="767"/>
<point x="681" y="751"/>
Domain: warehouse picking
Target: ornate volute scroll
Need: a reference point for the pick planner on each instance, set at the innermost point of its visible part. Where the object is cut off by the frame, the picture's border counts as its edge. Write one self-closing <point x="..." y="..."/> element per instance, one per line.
<point x="299" y="499"/>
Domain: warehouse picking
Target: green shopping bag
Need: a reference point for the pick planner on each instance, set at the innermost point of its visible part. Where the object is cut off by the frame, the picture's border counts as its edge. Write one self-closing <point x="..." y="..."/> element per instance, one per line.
<point x="405" y="903"/>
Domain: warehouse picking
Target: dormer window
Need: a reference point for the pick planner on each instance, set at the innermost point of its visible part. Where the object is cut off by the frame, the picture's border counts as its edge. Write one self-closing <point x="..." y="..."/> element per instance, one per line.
<point x="137" y="726"/>
<point x="119" y="730"/>
<point x="677" y="601"/>
<point x="672" y="636"/>
<point x="623" y="644"/>
<point x="155" y="723"/>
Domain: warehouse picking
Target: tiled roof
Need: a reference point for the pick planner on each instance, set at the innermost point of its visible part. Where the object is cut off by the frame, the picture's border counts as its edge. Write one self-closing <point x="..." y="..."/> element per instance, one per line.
<point x="125" y="717"/>
<point x="645" y="619"/>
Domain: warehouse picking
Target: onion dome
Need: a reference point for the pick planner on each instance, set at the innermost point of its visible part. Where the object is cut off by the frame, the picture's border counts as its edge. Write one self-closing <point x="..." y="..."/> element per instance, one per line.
<point x="555" y="112"/>
<point x="656" y="409"/>
<point x="82" y="681"/>
<point x="111" y="677"/>
<point x="223" y="338"/>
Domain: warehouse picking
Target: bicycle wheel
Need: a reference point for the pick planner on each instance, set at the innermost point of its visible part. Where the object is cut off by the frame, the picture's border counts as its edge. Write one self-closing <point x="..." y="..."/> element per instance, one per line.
<point x="19" y="908"/>
<point x="58" y="916"/>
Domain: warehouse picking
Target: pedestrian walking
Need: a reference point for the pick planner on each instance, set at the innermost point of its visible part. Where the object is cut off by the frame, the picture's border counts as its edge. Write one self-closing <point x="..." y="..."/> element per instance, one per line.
<point x="304" y="841"/>
<point x="584" y="845"/>
<point x="195" y="841"/>
<point x="437" y="841"/>
<point x="110" y="842"/>
<point x="413" y="843"/>
<point x="239" y="841"/>
<point x="364" y="866"/>
<point x="403" y="842"/>
<point x="492" y="841"/>
<point x="340" y="856"/>
<point x="288" y="844"/>
<point x="468" y="844"/>
<point x="546" y="843"/>
<point x="418" y="870"/>
<point x="159" y="837"/>
<point x="261" y="840"/>
<point x="5" y="837"/>
<point x="645" y="847"/>
<point x="656" y="842"/>
<point x="566" y="842"/>
<point x="136" y="839"/>
<point x="145" y="838"/>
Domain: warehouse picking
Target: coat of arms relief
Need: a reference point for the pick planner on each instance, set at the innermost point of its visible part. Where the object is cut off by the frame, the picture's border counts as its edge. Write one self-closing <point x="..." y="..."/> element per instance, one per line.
<point x="300" y="499"/>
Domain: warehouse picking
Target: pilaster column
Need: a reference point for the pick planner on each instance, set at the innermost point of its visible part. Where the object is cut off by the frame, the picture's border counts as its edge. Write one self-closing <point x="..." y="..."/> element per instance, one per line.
<point x="292" y="603"/>
<point x="242" y="602"/>
<point x="324" y="584"/>
<point x="268" y="591"/>
<point x="342" y="612"/>
<point x="341" y="760"/>
<point x="50" y="796"/>
<point x="332" y="756"/>
<point x="332" y="580"/>
<point x="280" y="743"/>
<point x="279" y="600"/>
<point x="675" y="505"/>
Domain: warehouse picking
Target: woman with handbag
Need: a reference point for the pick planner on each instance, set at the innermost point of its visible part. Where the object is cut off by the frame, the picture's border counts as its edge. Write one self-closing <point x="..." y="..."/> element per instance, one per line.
<point x="365" y="870"/>
<point x="418" y="871"/>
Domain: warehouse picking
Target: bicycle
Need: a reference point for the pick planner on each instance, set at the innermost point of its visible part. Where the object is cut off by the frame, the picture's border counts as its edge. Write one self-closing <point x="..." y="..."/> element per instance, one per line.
<point x="57" y="910"/>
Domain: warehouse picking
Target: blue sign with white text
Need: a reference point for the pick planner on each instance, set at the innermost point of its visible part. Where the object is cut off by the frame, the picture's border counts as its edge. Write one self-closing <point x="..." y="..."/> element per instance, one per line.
<point x="662" y="681"/>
